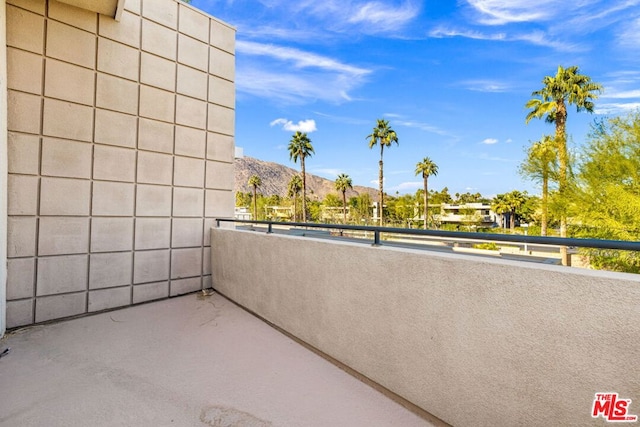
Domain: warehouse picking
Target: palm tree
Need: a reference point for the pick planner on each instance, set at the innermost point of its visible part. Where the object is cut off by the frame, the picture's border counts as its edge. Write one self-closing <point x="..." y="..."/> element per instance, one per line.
<point x="541" y="165"/>
<point x="343" y="183"/>
<point x="515" y="200"/>
<point x="567" y="87"/>
<point x="300" y="148"/>
<point x="427" y="168"/>
<point x="255" y="182"/>
<point x="382" y="134"/>
<point x="501" y="206"/>
<point x="295" y="185"/>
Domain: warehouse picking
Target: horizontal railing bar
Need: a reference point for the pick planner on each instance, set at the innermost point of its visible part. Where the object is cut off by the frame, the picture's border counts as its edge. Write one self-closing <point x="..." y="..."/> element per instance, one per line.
<point x="510" y="238"/>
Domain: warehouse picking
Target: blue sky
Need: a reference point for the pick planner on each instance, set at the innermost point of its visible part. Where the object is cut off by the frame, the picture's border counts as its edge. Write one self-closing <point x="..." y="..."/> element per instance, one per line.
<point x="452" y="77"/>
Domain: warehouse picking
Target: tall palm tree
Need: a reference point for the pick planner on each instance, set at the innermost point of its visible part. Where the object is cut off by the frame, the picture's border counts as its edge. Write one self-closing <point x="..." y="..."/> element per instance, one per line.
<point x="295" y="185"/>
<point x="300" y="148"/>
<point x="382" y="134"/>
<point x="567" y="87"/>
<point x="255" y="182"/>
<point x="541" y="165"/>
<point x="427" y="168"/>
<point x="343" y="183"/>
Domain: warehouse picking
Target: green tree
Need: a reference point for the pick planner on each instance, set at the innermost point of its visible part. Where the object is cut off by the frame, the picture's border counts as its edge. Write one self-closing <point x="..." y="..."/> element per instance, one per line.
<point x="426" y="168"/>
<point x="361" y="205"/>
<point x="441" y="196"/>
<point x="243" y="199"/>
<point x="293" y="189"/>
<point x="567" y="87"/>
<point x="541" y="165"/>
<point x="332" y="200"/>
<point x="607" y="196"/>
<point x="300" y="148"/>
<point x="510" y="203"/>
<point x="255" y="182"/>
<point x="383" y="135"/>
<point x="343" y="183"/>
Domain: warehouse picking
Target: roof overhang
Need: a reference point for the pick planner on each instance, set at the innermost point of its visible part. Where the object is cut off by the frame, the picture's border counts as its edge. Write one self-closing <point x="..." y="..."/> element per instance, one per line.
<point x="112" y="8"/>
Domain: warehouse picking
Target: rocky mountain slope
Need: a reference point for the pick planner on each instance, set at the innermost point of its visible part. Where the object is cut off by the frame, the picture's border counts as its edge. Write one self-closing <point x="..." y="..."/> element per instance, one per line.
<point x="275" y="179"/>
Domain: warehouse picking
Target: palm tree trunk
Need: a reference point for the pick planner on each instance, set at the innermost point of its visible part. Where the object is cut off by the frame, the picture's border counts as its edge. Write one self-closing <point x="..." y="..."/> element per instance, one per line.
<point x="512" y="221"/>
<point x="426" y="202"/>
<point x="381" y="196"/>
<point x="255" y="204"/>
<point x="561" y="117"/>
<point x="545" y="194"/>
<point x="295" y="207"/>
<point x="344" y="207"/>
<point x="304" y="191"/>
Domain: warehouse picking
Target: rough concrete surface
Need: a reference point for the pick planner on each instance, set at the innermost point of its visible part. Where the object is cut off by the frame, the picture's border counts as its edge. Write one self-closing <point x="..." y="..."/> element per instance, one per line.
<point x="189" y="361"/>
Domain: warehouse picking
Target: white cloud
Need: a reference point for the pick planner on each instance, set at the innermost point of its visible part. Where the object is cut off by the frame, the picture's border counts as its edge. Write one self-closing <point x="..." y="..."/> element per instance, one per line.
<point x="490" y="141"/>
<point x="306" y="126"/>
<point x="509" y="141"/>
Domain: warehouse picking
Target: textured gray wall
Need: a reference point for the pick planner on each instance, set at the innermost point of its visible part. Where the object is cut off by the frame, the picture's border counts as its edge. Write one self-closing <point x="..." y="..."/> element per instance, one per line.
<point x="120" y="151"/>
<point x="474" y="341"/>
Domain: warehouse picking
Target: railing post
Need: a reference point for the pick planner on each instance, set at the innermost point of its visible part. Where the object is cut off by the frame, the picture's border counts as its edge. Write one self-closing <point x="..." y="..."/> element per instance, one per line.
<point x="376" y="238"/>
<point x="269" y="230"/>
<point x="217" y="223"/>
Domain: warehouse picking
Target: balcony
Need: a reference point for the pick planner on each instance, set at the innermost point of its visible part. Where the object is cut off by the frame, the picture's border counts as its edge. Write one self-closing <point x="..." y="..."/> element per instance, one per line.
<point x="189" y="361"/>
<point x="460" y="339"/>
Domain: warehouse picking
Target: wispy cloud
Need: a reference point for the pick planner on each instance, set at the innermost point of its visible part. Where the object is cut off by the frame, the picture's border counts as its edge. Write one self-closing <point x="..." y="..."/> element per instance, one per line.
<point x="629" y="36"/>
<point x="293" y="75"/>
<point x="490" y="141"/>
<point x="485" y="156"/>
<point x="404" y="186"/>
<point x="443" y="32"/>
<point x="381" y="16"/>
<point x="306" y="126"/>
<point x="499" y="12"/>
<point x="326" y="171"/>
<point x="495" y="86"/>
<point x="622" y="94"/>
<point x="538" y="38"/>
<point x="422" y="126"/>
<point x="298" y="58"/>
<point x="617" y="108"/>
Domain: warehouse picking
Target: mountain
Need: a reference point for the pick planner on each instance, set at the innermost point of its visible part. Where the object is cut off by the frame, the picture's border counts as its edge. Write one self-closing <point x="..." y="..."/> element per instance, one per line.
<point x="275" y="179"/>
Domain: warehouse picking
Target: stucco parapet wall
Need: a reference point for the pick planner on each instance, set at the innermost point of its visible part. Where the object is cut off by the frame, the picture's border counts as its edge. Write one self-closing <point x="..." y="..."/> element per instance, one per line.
<point x="474" y="341"/>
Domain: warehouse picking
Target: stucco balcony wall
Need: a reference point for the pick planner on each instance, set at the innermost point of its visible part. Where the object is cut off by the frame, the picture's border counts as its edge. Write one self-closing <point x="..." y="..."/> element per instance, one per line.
<point x="474" y="341"/>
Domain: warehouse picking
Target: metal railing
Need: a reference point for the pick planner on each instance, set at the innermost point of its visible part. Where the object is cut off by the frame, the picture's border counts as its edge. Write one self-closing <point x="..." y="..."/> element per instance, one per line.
<point x="463" y="235"/>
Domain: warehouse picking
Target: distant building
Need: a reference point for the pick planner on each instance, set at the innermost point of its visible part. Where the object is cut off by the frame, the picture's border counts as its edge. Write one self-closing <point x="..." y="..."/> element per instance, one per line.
<point x="478" y="214"/>
<point x="279" y="213"/>
<point x="242" y="213"/>
<point x="334" y="214"/>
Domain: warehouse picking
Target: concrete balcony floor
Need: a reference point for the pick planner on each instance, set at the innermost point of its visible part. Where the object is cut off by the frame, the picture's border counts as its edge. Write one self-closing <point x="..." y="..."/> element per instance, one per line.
<point x="189" y="361"/>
